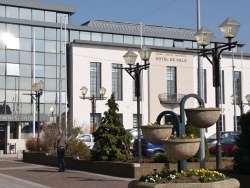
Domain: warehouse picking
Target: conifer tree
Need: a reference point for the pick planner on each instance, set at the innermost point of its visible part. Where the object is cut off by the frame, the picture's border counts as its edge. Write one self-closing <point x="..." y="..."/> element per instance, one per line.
<point x="112" y="139"/>
<point x="242" y="153"/>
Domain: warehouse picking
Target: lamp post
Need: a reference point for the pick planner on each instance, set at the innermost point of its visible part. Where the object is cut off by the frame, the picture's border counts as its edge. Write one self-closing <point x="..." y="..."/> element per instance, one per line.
<point x="38" y="89"/>
<point x="93" y="99"/>
<point x="229" y="29"/>
<point x="241" y="104"/>
<point x="52" y="109"/>
<point x="135" y="72"/>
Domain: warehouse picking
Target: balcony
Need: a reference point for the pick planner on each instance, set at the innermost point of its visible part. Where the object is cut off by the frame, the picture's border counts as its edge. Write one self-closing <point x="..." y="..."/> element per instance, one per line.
<point x="173" y="98"/>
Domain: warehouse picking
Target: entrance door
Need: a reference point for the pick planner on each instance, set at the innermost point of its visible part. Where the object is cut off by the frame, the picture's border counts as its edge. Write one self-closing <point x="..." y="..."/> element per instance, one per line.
<point x="2" y="138"/>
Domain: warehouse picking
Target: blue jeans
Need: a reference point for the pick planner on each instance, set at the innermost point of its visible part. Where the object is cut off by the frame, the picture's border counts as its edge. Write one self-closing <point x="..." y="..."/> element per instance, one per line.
<point x="60" y="155"/>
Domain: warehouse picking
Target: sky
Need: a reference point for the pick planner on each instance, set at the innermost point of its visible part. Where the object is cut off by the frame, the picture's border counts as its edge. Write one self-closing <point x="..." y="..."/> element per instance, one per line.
<point x="171" y="13"/>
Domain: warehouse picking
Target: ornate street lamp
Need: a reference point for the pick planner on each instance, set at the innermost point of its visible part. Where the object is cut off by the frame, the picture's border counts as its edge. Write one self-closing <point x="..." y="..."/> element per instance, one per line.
<point x="93" y="99"/>
<point x="229" y="29"/>
<point x="38" y="89"/>
<point x="134" y="72"/>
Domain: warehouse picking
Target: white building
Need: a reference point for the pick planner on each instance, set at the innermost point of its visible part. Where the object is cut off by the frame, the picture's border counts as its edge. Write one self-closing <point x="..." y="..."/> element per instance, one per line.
<point x="95" y="49"/>
<point x="171" y="75"/>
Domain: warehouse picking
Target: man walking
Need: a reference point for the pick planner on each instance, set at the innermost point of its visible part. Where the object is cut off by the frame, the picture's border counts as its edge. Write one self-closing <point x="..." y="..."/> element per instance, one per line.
<point x="61" y="143"/>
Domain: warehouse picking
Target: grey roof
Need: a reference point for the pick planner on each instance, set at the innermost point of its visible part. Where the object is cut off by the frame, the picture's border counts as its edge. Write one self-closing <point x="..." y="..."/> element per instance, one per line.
<point x="148" y="29"/>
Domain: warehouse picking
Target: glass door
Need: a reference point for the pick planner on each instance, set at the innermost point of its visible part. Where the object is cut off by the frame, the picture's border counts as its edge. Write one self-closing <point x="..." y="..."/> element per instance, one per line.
<point x="2" y="138"/>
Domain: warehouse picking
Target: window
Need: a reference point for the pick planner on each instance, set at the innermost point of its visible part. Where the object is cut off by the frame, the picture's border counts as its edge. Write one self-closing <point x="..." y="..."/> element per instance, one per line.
<point x="25" y="57"/>
<point x="238" y="128"/>
<point x="188" y="44"/>
<point x="222" y="88"/>
<point x="39" y="33"/>
<point x="97" y="119"/>
<point x="222" y="123"/>
<point x="96" y="37"/>
<point x="135" y="124"/>
<point x="13" y="130"/>
<point x="118" y="38"/>
<point x="25" y="31"/>
<point x="50" y="16"/>
<point x="25" y="70"/>
<point x="128" y="39"/>
<point x="137" y="40"/>
<point x="168" y="42"/>
<point x="2" y="68"/>
<point x="38" y="15"/>
<point x="12" y="69"/>
<point x="25" y="13"/>
<point x="50" y="71"/>
<point x="107" y="38"/>
<point x="50" y="34"/>
<point x="13" y="56"/>
<point x="204" y="86"/>
<point x="95" y="78"/>
<point x="237" y="86"/>
<point x="39" y="71"/>
<point x="158" y="42"/>
<point x="39" y="45"/>
<point x="149" y="41"/>
<point x="171" y="80"/>
<point x="12" y="83"/>
<point x="25" y="44"/>
<point x="74" y="35"/>
<point x="50" y="46"/>
<point x="63" y="17"/>
<point x="178" y="44"/>
<point x="84" y="35"/>
<point x="2" y="11"/>
<point x="117" y="81"/>
<point x="27" y="130"/>
<point x="11" y="12"/>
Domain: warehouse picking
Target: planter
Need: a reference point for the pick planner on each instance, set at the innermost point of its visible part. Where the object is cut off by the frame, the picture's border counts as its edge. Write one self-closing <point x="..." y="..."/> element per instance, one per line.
<point x="155" y="133"/>
<point x="181" y="149"/>
<point x="203" y="117"/>
<point x="229" y="183"/>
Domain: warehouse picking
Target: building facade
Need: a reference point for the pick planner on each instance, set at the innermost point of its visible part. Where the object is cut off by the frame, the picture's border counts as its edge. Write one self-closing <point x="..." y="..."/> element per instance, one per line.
<point x="94" y="58"/>
<point x="31" y="49"/>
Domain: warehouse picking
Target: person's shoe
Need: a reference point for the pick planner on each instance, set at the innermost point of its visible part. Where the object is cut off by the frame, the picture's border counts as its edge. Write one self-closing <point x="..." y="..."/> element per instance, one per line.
<point x="63" y="170"/>
<point x="59" y="170"/>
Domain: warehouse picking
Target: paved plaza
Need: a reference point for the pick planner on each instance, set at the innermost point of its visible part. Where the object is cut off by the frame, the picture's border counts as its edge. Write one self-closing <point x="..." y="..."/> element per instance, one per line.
<point x="16" y="174"/>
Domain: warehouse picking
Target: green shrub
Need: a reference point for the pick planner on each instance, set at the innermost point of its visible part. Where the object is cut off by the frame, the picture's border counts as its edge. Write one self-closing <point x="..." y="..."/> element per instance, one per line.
<point x="242" y="154"/>
<point x="78" y="148"/>
<point x="163" y="158"/>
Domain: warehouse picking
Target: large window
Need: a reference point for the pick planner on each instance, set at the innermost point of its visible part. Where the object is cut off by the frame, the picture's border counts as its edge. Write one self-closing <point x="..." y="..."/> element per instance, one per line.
<point x="97" y="117"/>
<point x="237" y="86"/>
<point x="222" y="123"/>
<point x="95" y="78"/>
<point x="171" y="80"/>
<point x="222" y="88"/>
<point x="13" y="130"/>
<point x="12" y="69"/>
<point x="135" y="120"/>
<point x="117" y="81"/>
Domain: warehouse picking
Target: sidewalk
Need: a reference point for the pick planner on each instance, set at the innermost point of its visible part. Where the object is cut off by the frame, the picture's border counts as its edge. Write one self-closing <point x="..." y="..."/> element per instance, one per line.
<point x="16" y="174"/>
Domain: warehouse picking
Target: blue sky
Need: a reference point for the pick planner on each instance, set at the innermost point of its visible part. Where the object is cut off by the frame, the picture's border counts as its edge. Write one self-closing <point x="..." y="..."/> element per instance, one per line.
<point x="173" y="13"/>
